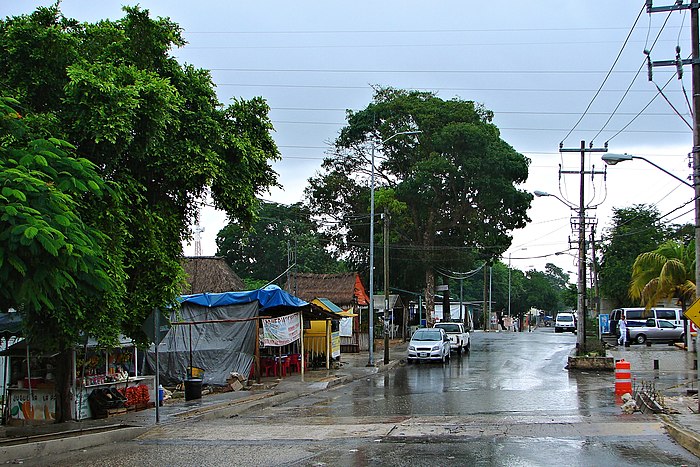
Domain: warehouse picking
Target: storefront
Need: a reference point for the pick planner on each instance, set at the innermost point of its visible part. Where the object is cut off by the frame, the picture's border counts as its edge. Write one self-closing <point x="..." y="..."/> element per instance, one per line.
<point x="31" y="391"/>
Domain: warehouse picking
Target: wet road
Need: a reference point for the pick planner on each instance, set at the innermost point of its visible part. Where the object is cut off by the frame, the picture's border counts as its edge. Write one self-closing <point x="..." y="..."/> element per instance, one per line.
<point x="509" y="402"/>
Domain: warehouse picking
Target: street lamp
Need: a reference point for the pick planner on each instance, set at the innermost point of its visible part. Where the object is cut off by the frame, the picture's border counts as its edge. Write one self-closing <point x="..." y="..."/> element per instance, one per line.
<point x="371" y="246"/>
<point x="541" y="194"/>
<point x="612" y="159"/>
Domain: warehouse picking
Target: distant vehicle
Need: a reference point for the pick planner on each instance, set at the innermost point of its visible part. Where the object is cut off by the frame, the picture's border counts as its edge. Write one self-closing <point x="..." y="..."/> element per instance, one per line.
<point x="565" y="322"/>
<point x="459" y="336"/>
<point x="429" y="344"/>
<point x="656" y="330"/>
<point x="548" y="320"/>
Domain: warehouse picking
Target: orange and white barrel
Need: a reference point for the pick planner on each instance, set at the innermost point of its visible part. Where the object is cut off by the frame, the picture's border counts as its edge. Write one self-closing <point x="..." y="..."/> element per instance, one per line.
<point x="623" y="377"/>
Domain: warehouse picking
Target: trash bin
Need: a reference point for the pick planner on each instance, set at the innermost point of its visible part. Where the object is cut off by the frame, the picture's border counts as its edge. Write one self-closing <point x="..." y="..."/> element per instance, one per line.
<point x="193" y="389"/>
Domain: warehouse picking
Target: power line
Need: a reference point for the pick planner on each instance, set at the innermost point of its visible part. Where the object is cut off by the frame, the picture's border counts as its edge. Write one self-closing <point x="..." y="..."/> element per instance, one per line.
<point x="600" y="88"/>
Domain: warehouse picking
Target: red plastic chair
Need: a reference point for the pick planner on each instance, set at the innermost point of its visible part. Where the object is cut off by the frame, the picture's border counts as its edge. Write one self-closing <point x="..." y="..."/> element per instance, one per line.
<point x="295" y="362"/>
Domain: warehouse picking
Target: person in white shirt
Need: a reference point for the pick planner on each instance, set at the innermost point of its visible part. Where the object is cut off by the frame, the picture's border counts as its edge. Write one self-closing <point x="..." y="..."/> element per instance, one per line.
<point x="623" y="330"/>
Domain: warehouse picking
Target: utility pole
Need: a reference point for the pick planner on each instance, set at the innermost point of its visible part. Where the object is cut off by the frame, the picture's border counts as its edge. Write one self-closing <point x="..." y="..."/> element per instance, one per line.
<point x="386" y="285"/>
<point x="486" y="291"/>
<point x="581" y="227"/>
<point x="694" y="62"/>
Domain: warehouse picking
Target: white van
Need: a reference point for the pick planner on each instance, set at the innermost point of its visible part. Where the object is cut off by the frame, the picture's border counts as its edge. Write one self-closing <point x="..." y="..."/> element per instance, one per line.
<point x="640" y="316"/>
<point x="565" y="322"/>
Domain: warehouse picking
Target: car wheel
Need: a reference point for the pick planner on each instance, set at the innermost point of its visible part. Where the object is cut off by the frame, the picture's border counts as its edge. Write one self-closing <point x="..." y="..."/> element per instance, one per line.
<point x="681" y="338"/>
<point x="640" y="339"/>
<point x="459" y="350"/>
<point x="468" y="347"/>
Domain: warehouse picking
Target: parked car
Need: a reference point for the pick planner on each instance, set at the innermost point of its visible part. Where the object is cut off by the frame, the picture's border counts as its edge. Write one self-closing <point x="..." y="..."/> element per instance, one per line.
<point x="459" y="336"/>
<point x="656" y="330"/>
<point x="565" y="322"/>
<point x="640" y="316"/>
<point x="429" y="344"/>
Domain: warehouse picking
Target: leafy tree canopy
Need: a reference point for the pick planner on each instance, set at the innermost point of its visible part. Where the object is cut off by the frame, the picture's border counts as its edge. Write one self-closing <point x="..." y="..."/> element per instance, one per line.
<point x="452" y="189"/>
<point x="150" y="126"/>
<point x="280" y="234"/>
<point x="634" y="230"/>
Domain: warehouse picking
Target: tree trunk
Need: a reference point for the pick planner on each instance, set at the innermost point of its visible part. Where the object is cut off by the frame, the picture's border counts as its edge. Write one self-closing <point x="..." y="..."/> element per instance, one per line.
<point x="429" y="297"/>
<point x="64" y="381"/>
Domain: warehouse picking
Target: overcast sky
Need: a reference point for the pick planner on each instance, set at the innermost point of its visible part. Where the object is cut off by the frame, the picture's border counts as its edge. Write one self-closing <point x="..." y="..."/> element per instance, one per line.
<point x="536" y="65"/>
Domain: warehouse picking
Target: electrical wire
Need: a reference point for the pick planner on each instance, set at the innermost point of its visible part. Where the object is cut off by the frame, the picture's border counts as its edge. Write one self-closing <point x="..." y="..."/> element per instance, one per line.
<point x="647" y="51"/>
<point x="619" y="54"/>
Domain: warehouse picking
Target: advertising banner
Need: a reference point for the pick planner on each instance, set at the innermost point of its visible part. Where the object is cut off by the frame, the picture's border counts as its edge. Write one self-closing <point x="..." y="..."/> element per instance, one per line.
<point x="335" y="344"/>
<point x="281" y="331"/>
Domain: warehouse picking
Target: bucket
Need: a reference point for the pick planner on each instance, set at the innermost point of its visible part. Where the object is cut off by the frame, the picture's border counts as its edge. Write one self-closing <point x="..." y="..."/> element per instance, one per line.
<point x="193" y="389"/>
<point x="623" y="377"/>
<point x="195" y="373"/>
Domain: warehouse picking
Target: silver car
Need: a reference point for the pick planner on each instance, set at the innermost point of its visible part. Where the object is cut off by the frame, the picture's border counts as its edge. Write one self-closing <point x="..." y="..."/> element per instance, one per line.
<point x="656" y="330"/>
<point x="429" y="344"/>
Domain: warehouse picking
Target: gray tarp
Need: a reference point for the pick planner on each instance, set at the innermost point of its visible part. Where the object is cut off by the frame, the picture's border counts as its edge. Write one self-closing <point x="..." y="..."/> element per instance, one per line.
<point x="218" y="348"/>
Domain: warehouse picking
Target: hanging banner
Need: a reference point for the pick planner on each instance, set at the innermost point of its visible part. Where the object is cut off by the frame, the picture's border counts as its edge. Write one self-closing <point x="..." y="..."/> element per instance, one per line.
<point x="345" y="327"/>
<point x="335" y="344"/>
<point x="281" y="331"/>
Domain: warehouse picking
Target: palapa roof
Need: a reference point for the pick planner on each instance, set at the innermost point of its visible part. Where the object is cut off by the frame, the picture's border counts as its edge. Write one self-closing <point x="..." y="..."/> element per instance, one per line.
<point x="342" y="289"/>
<point x="210" y="274"/>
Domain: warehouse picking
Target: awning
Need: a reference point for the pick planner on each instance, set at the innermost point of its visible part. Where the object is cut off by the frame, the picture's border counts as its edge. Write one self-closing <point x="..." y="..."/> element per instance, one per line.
<point x="10" y="325"/>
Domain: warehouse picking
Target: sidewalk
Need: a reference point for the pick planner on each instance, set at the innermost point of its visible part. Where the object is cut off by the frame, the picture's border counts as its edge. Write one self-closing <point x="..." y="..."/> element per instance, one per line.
<point x="18" y="443"/>
<point x="675" y="379"/>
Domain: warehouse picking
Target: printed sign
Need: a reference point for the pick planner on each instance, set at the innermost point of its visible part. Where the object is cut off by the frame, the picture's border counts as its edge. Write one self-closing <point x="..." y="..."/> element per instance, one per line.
<point x="281" y="331"/>
<point x="604" y="324"/>
<point x="41" y="406"/>
<point x="335" y="344"/>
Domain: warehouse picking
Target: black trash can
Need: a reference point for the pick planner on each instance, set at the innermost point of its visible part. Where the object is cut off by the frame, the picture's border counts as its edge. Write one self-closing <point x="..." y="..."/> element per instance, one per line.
<point x="193" y="389"/>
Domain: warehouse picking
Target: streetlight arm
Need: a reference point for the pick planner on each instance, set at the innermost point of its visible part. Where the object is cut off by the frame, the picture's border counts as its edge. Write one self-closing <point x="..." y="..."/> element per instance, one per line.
<point x="541" y="194"/>
<point x="612" y="159"/>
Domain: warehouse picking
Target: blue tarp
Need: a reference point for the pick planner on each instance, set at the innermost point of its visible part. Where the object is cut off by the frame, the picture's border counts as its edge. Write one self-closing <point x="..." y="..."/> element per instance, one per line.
<point x="269" y="297"/>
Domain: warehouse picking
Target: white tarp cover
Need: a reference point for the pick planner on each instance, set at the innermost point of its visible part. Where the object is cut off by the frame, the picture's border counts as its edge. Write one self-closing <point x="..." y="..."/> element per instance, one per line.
<point x="346" y="327"/>
<point x="218" y="348"/>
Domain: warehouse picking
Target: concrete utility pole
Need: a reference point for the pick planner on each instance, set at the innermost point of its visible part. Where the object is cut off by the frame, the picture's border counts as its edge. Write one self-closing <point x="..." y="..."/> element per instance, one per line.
<point x="581" y="221"/>
<point x="694" y="62"/>
<point x="386" y="285"/>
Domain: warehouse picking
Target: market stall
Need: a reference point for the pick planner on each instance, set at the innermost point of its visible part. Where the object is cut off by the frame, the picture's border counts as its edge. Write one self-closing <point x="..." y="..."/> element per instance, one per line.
<point x="100" y="373"/>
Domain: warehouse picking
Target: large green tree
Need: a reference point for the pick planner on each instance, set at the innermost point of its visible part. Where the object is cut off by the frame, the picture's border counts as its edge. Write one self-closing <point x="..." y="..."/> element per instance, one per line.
<point x="152" y="127"/>
<point x="634" y="230"/>
<point x="57" y="267"/>
<point x="281" y="235"/>
<point x="451" y="191"/>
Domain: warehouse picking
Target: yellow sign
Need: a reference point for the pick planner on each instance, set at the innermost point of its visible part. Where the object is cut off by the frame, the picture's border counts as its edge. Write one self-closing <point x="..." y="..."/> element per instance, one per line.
<point x="693" y="313"/>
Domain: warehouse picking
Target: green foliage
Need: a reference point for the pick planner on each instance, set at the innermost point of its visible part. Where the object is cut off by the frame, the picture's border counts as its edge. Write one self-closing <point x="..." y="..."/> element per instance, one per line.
<point x="635" y="230"/>
<point x="262" y="252"/>
<point x="667" y="272"/>
<point x="55" y="267"/>
<point x="152" y="128"/>
<point x="454" y="184"/>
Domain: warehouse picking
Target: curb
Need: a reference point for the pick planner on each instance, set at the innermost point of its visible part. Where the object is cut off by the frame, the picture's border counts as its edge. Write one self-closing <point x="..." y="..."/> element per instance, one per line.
<point x="686" y="438"/>
<point x="63" y="445"/>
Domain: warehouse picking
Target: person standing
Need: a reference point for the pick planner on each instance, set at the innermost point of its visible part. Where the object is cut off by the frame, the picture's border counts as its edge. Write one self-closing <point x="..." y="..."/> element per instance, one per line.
<point x="623" y="330"/>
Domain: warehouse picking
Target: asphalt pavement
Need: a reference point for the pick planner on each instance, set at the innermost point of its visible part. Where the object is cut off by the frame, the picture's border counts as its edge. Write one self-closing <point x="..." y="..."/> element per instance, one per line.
<point x="18" y="442"/>
<point x="667" y="370"/>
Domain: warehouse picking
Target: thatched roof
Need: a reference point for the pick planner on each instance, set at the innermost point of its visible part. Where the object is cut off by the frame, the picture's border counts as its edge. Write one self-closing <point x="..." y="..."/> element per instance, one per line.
<point x="210" y="274"/>
<point x="344" y="289"/>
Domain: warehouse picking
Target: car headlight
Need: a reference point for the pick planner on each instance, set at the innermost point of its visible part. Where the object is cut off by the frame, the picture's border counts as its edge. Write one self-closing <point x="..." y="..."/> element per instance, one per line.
<point x="437" y="347"/>
<point x="411" y="347"/>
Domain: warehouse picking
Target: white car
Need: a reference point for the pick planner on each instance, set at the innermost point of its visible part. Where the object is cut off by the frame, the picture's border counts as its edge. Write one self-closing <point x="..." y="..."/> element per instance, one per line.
<point x="459" y="336"/>
<point x="429" y="344"/>
<point x="565" y="322"/>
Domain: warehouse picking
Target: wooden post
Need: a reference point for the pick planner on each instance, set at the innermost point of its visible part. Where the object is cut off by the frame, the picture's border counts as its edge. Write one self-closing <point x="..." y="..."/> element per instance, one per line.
<point x="303" y="351"/>
<point x="256" y="361"/>
<point x="328" y="344"/>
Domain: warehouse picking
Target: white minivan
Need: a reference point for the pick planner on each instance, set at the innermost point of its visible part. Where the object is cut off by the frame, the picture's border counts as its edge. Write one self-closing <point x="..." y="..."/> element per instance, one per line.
<point x="640" y="315"/>
<point x="565" y="322"/>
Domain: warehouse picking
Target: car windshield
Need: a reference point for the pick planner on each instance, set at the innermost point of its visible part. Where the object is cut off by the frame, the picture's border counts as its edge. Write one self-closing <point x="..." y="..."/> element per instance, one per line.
<point x="427" y="335"/>
<point x="565" y="318"/>
<point x="448" y="327"/>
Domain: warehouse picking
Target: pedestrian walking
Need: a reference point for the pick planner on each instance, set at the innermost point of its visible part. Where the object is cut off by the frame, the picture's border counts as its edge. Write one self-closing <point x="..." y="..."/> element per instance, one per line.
<point x="623" y="330"/>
